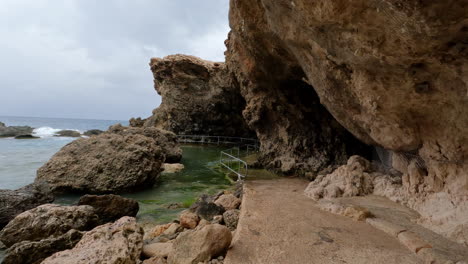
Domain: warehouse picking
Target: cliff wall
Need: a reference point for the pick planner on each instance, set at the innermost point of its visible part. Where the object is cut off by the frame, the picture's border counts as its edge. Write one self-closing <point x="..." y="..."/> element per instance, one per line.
<point x="392" y="73"/>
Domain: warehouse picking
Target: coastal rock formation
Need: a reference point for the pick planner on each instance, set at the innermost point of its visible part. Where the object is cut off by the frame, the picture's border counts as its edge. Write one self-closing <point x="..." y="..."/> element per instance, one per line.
<point x="120" y="242"/>
<point x="393" y="73"/>
<point x="68" y="133"/>
<point x="107" y="163"/>
<point x="110" y="208"/>
<point x="13" y="131"/>
<point x="165" y="139"/>
<point x="48" y="220"/>
<point x="195" y="246"/>
<point x="93" y="132"/>
<point x="13" y="203"/>
<point x="198" y="98"/>
<point x="34" y="252"/>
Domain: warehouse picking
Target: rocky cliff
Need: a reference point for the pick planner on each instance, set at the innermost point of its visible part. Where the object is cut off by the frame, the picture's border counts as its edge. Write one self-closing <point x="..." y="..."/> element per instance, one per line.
<point x="392" y="73"/>
<point x="198" y="98"/>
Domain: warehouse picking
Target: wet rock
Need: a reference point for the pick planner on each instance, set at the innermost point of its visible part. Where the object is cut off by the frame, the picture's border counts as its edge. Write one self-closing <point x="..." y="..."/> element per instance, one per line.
<point x="228" y="201"/>
<point x="161" y="250"/>
<point x="231" y="218"/>
<point x="26" y="137"/>
<point x="202" y="245"/>
<point x="110" y="208"/>
<point x="188" y="219"/>
<point x="207" y="210"/>
<point x="13" y="131"/>
<point x="199" y="98"/>
<point x="93" y="132"/>
<point x="33" y="252"/>
<point x="173" y="168"/>
<point x="68" y="133"/>
<point x="48" y="220"/>
<point x="107" y="163"/>
<point x="13" y="203"/>
<point x="119" y="242"/>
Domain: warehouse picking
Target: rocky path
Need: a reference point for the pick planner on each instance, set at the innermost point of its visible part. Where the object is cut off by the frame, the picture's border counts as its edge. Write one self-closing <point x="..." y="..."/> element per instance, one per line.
<point x="279" y="224"/>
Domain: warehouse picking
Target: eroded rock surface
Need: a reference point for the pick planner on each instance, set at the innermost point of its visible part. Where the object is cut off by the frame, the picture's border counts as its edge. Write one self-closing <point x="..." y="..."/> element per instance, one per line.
<point x="119" y="242"/>
<point x="15" y="202"/>
<point x="393" y="73"/>
<point x="110" y="208"/>
<point x="34" y="252"/>
<point x="198" y="98"/>
<point x="48" y="220"/>
<point x="120" y="160"/>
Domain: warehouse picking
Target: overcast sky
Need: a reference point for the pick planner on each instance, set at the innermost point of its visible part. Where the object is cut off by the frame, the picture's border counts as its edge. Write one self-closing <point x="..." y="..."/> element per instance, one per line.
<point x="89" y="58"/>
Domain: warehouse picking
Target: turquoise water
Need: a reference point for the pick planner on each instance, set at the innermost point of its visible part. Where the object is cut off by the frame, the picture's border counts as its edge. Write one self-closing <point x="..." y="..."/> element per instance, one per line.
<point x="198" y="177"/>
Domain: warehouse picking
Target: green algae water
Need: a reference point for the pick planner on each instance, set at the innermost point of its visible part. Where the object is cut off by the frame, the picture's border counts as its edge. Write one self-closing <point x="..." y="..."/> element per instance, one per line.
<point x="198" y="177"/>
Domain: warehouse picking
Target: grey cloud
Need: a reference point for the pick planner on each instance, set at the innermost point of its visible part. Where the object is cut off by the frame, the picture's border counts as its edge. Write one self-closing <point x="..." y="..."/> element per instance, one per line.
<point x="89" y="59"/>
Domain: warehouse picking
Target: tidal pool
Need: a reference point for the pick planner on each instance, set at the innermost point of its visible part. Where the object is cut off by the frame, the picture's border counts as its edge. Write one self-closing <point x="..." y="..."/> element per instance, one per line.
<point x="198" y="177"/>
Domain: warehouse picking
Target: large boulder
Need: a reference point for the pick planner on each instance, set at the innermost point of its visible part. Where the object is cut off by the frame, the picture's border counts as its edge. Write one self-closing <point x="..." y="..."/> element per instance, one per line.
<point x="195" y="246"/>
<point x="198" y="98"/>
<point x="119" y="242"/>
<point x="165" y="139"/>
<point x="110" y="208"/>
<point x="13" y="203"/>
<point x="34" y="252"/>
<point x="228" y="201"/>
<point x="49" y="220"/>
<point x="104" y="163"/>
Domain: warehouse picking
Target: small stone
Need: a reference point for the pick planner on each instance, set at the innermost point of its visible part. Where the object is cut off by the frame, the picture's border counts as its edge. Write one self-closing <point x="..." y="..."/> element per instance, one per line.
<point x="173" y="167"/>
<point x="173" y="229"/>
<point x="231" y="218"/>
<point x="357" y="213"/>
<point x="228" y="201"/>
<point x="188" y="219"/>
<point x="157" y="231"/>
<point x="412" y="241"/>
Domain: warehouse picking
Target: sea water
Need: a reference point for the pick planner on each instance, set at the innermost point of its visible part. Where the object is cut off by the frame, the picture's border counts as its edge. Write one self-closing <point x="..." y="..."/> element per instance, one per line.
<point x="19" y="160"/>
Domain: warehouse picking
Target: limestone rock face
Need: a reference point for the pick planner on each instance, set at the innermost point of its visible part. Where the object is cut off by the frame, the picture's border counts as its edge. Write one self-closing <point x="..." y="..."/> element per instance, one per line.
<point x="120" y="242"/>
<point x="33" y="252"/>
<point x="393" y="73"/>
<point x="105" y="163"/>
<point x="167" y="140"/>
<point x="46" y="221"/>
<point x="198" y="98"/>
<point x="110" y="208"/>
<point x="13" y="203"/>
<point x="195" y="246"/>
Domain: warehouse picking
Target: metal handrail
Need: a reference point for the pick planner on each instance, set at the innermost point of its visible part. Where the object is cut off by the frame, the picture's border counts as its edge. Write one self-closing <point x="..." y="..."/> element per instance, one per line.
<point x="225" y="140"/>
<point x="228" y="166"/>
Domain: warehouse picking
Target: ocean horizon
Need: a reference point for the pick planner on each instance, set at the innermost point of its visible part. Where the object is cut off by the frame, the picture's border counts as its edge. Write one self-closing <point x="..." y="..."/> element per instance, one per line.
<point x="20" y="158"/>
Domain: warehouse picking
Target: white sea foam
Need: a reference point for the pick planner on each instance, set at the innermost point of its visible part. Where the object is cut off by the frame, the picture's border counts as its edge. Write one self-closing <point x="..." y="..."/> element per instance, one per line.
<point x="48" y="131"/>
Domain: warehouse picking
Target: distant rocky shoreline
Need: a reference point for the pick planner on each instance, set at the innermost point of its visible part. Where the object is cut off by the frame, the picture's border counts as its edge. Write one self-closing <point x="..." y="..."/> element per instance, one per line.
<point x="27" y="132"/>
